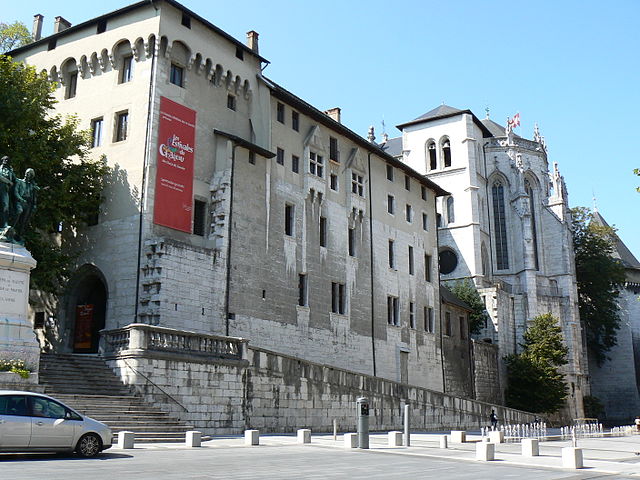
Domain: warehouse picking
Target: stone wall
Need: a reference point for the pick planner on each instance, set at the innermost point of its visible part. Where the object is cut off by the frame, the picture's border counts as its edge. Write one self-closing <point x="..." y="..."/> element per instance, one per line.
<point x="486" y="366"/>
<point x="279" y="393"/>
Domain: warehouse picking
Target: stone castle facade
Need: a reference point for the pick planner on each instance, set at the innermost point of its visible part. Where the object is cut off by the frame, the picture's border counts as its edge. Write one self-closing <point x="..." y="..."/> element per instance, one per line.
<point x="302" y="236"/>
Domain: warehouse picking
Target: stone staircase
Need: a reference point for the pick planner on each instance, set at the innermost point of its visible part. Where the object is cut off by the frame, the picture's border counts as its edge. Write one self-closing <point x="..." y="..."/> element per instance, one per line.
<point x="88" y="385"/>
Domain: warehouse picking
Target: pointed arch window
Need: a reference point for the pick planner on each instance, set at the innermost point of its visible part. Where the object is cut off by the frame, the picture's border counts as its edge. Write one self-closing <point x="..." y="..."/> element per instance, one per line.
<point x="431" y="152"/>
<point x="446" y="152"/>
<point x="500" y="226"/>
<point x="534" y="234"/>
<point x="451" y="218"/>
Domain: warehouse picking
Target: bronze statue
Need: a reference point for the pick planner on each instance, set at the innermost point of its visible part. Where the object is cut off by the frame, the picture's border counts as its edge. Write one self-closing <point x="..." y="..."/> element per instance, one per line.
<point x="7" y="186"/>
<point x="18" y="202"/>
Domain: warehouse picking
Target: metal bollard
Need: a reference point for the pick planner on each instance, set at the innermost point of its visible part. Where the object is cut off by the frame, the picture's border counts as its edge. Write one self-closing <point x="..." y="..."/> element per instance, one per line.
<point x="363" y="422"/>
<point x="407" y="433"/>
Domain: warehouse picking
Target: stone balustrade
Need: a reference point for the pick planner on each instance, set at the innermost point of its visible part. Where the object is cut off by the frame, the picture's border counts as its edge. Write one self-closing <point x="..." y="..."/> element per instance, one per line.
<point x="138" y="338"/>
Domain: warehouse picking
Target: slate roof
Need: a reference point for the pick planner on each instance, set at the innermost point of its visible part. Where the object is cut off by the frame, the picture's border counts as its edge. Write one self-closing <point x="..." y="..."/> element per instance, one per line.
<point x="496" y="129"/>
<point x="393" y="146"/>
<point x="448" y="297"/>
<point x="621" y="250"/>
<point x="445" y="111"/>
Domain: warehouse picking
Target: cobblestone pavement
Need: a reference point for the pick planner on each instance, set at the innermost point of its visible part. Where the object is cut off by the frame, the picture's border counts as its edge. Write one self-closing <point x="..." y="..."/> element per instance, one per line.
<point x="279" y="457"/>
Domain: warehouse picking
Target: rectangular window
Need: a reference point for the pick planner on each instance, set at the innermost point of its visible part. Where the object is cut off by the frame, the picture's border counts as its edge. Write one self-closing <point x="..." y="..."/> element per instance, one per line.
<point x="390" y="173"/>
<point x="391" y="204"/>
<point x="280" y="156"/>
<point x="302" y="290"/>
<point x="239" y="53"/>
<point x="126" y="74"/>
<point x="412" y="315"/>
<point x="122" y="124"/>
<point x="392" y="254"/>
<point x="252" y="158"/>
<point x="463" y="328"/>
<point x="407" y="182"/>
<point x="357" y="184"/>
<point x="280" y="112"/>
<point x="199" y="217"/>
<point x="295" y="164"/>
<point x="427" y="268"/>
<point x="393" y="311"/>
<point x="411" y="269"/>
<point x="352" y="242"/>
<point x="323" y="231"/>
<point x="447" y="324"/>
<point x="338" y="298"/>
<point x="72" y="85"/>
<point x="334" y="154"/>
<point x="102" y="26"/>
<point x="176" y="75"/>
<point x="425" y="222"/>
<point x="186" y="20"/>
<point x="231" y="102"/>
<point x="409" y="213"/>
<point x="295" y="121"/>
<point x="423" y="192"/>
<point x="316" y="164"/>
<point x="289" y="219"/>
<point x="96" y="132"/>
<point x="333" y="182"/>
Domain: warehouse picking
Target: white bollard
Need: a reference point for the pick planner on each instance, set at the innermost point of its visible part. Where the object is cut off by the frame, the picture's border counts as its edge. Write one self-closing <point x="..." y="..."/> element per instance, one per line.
<point x="485" y="451"/>
<point x="530" y="447"/>
<point x="252" y="437"/>
<point x="458" y="436"/>
<point x="304" y="435"/>
<point x="193" y="438"/>
<point x="443" y="441"/>
<point x="125" y="440"/>
<point x="497" y="436"/>
<point x="350" y="440"/>
<point x="395" y="439"/>
<point x="572" y="457"/>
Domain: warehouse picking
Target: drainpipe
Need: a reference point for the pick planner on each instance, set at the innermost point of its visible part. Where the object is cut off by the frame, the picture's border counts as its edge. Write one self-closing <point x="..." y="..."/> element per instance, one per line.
<point x="439" y="299"/>
<point x="229" y="220"/>
<point x="145" y="164"/>
<point x="373" y="317"/>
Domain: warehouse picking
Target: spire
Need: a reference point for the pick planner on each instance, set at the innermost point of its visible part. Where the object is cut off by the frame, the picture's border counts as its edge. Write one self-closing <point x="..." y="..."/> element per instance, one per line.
<point x="595" y="203"/>
<point x="487" y="110"/>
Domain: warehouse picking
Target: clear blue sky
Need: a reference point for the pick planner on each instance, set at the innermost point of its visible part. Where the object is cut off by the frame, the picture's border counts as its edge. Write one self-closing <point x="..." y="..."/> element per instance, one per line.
<point x="572" y="66"/>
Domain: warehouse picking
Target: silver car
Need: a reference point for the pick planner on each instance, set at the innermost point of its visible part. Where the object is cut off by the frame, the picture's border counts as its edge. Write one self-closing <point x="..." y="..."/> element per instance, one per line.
<point x="35" y="422"/>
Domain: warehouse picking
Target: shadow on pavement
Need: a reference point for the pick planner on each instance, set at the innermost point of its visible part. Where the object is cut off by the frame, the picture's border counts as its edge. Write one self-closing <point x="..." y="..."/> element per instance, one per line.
<point x="21" y="457"/>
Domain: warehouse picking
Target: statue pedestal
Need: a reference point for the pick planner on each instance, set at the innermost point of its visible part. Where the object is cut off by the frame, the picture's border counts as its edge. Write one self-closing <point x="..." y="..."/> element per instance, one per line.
<point x="17" y="339"/>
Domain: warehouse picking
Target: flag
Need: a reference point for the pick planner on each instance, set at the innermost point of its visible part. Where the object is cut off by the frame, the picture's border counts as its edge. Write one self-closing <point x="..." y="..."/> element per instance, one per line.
<point x="515" y="121"/>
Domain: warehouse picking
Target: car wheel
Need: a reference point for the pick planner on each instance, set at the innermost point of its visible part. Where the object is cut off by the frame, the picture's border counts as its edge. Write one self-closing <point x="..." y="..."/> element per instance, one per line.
<point x="89" y="445"/>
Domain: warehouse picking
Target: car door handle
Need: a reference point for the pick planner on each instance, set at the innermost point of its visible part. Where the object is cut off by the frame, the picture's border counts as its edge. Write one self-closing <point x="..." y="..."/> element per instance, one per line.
<point x="39" y="423"/>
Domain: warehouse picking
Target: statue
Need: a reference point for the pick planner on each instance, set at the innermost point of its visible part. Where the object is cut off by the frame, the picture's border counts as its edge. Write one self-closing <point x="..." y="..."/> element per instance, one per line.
<point x="18" y="199"/>
<point x="25" y="201"/>
<point x="7" y="187"/>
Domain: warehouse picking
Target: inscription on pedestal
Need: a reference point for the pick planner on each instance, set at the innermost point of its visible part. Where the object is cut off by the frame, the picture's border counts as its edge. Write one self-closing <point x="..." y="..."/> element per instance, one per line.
<point x="13" y="293"/>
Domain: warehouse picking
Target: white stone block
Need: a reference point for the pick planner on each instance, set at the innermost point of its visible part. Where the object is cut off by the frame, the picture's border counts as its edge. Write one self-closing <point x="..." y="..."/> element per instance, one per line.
<point x="304" y="435"/>
<point x="485" y="451"/>
<point x="193" y="438"/>
<point x="572" y="457"/>
<point x="496" y="436"/>
<point x="458" y="436"/>
<point x="395" y="438"/>
<point x="350" y="440"/>
<point x="126" y="440"/>
<point x="252" y="437"/>
<point x="444" y="441"/>
<point x="530" y="447"/>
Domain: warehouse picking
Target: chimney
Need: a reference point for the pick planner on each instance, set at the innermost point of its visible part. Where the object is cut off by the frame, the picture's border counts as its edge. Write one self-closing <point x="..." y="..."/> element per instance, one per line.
<point x="252" y="40"/>
<point x="334" y="113"/>
<point x="36" y="32"/>
<point x="60" y="25"/>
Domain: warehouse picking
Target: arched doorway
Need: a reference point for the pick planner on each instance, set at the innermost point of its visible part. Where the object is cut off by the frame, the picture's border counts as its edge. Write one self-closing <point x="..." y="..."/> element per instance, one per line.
<point x="87" y="308"/>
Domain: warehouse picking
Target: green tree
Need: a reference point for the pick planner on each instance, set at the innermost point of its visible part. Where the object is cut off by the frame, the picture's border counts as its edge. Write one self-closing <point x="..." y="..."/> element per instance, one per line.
<point x="466" y="291"/>
<point x="33" y="135"/>
<point x="13" y="35"/>
<point x="599" y="275"/>
<point x="534" y="382"/>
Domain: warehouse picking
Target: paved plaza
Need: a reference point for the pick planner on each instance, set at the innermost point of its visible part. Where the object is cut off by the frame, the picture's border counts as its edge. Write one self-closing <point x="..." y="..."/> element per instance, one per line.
<point x="280" y="457"/>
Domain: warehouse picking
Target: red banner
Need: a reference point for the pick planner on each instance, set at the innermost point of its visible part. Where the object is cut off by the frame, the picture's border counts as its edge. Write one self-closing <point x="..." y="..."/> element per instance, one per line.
<point x="174" y="172"/>
<point x="83" y="328"/>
